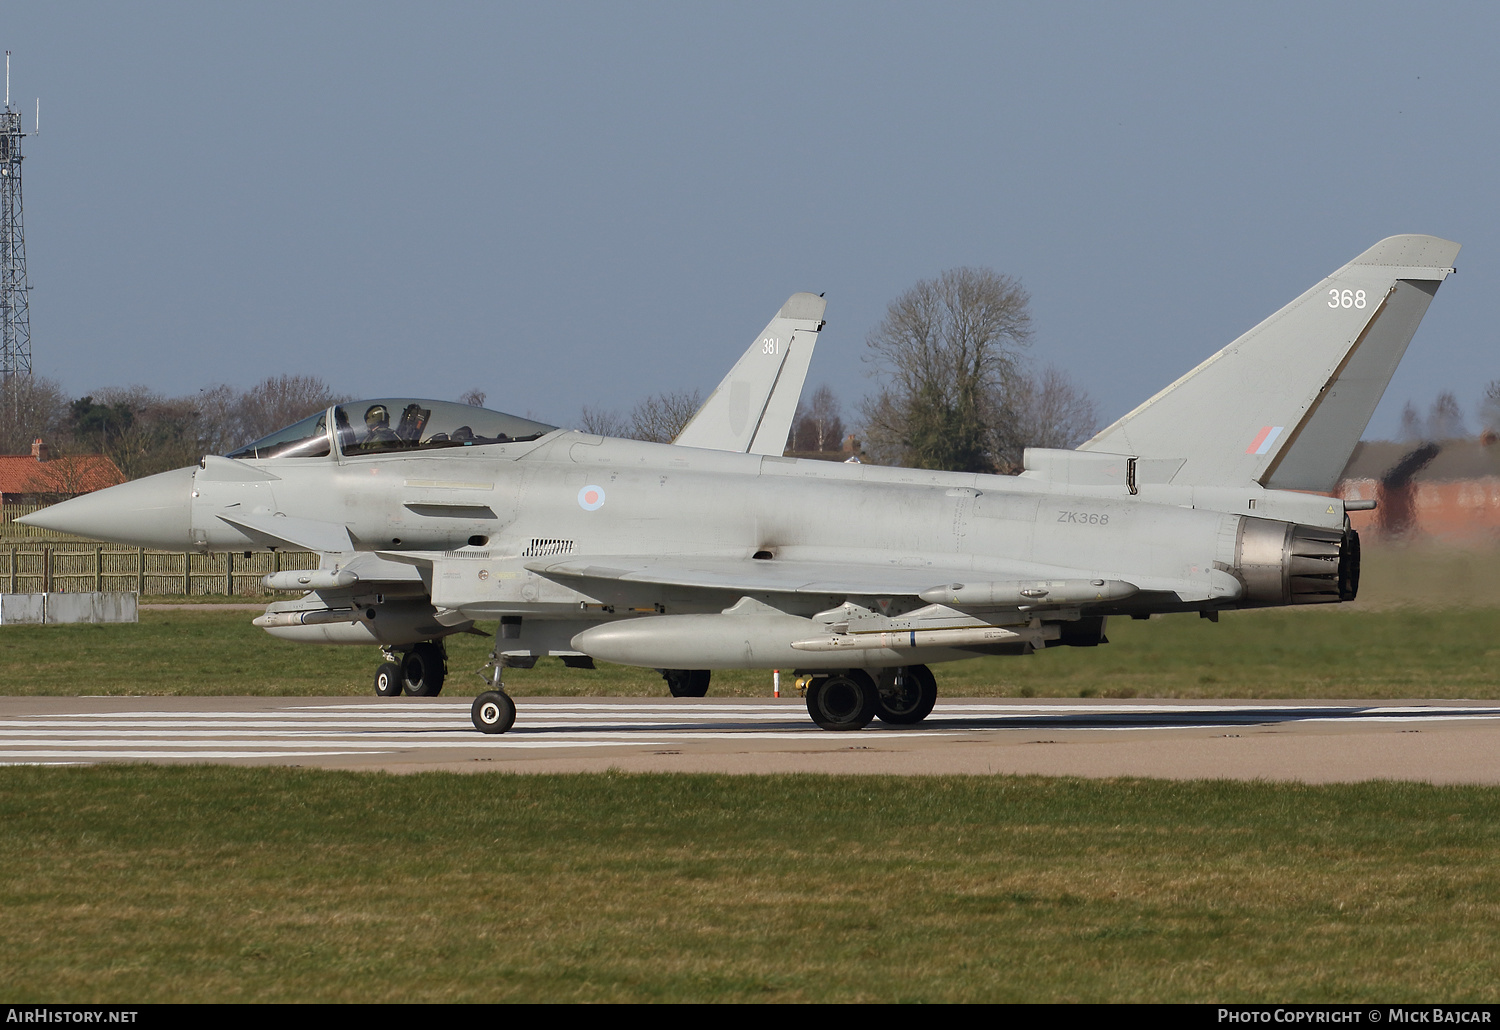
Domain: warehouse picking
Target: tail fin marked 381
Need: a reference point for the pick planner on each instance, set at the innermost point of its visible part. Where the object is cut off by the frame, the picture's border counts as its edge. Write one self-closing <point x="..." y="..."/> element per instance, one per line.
<point x="751" y="410"/>
<point x="1285" y="404"/>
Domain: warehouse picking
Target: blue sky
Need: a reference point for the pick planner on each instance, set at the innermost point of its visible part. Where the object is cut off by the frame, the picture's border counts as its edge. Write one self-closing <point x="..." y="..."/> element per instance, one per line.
<point x="569" y="204"/>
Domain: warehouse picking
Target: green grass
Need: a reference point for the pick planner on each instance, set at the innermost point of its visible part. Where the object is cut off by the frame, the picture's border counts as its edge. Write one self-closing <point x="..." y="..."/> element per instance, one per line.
<point x="142" y="884"/>
<point x="1427" y="625"/>
<point x="1283" y="653"/>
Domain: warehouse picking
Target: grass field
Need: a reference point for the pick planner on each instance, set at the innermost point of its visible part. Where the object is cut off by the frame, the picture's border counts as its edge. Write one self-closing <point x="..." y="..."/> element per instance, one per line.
<point x="1286" y="653"/>
<point x="234" y="884"/>
<point x="1427" y="625"/>
<point x="144" y="884"/>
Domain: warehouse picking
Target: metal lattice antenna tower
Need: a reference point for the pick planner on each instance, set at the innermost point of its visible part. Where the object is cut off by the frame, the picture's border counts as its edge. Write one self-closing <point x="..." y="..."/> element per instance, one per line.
<point x="15" y="311"/>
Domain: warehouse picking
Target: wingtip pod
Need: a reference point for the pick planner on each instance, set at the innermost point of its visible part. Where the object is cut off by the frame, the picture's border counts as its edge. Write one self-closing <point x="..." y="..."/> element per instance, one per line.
<point x="1284" y="404"/>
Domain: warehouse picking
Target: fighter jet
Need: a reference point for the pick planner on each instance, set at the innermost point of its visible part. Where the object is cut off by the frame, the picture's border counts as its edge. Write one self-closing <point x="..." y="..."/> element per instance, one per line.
<point x="713" y="554"/>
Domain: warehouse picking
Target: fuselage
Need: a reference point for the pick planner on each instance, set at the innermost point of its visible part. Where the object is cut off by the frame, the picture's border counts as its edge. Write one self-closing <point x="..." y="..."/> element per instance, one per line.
<point x="498" y="507"/>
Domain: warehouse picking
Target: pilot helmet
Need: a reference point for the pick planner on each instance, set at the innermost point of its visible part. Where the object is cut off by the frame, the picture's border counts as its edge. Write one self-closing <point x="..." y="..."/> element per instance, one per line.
<point x="376" y="415"/>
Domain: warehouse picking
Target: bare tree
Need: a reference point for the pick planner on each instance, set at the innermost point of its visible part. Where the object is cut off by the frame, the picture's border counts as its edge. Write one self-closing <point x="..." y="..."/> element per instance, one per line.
<point x="278" y="401"/>
<point x="660" y="417"/>
<point x="950" y="348"/>
<point x="218" y="426"/>
<point x="818" y="426"/>
<point x="1446" y="419"/>
<point x="602" y="422"/>
<point x="473" y="398"/>
<point x="1489" y="406"/>
<point x="31" y="406"/>
<point x="1413" y="428"/>
<point x="1047" y="410"/>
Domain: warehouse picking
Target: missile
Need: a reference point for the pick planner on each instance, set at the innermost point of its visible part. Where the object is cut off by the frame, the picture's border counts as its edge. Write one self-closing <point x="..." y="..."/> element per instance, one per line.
<point x="960" y="636"/>
<point x="1030" y="593"/>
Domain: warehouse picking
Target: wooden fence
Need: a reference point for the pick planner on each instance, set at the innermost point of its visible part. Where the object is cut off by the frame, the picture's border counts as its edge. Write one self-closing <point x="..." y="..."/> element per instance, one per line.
<point x="73" y="568"/>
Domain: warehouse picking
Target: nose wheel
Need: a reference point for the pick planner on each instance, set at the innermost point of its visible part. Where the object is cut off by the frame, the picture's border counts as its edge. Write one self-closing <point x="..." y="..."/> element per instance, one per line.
<point x="493" y="712"/>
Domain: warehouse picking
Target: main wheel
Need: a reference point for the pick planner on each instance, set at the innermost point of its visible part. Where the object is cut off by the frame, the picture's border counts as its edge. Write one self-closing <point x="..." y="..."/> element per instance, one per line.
<point x="687" y="682"/>
<point x="493" y="712"/>
<point x="846" y="701"/>
<point x="388" y="680"/>
<point x="423" y="670"/>
<point x="909" y="699"/>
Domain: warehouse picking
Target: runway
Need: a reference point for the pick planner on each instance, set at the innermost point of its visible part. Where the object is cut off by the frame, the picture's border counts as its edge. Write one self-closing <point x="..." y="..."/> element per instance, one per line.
<point x="1315" y="742"/>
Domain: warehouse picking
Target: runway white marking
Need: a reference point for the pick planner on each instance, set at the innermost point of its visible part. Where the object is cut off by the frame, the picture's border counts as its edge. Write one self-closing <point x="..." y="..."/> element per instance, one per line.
<point x="299" y="731"/>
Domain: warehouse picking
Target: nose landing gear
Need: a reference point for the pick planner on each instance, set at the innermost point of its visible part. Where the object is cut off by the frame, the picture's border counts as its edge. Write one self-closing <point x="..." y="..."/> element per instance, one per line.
<point x="493" y="711"/>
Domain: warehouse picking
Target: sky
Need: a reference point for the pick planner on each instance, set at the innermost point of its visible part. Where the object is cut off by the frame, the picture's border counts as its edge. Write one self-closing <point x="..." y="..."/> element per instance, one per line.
<point x="572" y="204"/>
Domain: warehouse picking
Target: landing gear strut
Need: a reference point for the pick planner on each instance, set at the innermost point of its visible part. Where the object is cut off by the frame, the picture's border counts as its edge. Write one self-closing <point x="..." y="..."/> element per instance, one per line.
<point x="493" y="711"/>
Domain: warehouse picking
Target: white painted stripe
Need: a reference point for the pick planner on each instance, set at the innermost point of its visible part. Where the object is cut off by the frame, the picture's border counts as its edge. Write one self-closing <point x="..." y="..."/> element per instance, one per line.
<point x="1265" y="444"/>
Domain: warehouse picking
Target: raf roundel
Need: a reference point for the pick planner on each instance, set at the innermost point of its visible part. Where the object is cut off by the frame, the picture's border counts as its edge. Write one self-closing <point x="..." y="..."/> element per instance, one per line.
<point x="591" y="498"/>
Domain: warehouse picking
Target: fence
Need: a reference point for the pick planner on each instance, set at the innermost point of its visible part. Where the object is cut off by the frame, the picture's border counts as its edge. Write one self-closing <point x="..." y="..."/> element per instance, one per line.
<point x="11" y="530"/>
<point x="75" y="568"/>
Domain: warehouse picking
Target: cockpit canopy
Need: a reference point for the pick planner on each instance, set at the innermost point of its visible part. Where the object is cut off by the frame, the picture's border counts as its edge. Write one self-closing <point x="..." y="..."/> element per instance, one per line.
<point x="387" y="424"/>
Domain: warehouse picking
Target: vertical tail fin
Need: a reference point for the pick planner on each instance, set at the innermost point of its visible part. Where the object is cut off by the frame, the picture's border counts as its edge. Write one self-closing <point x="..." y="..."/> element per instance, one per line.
<point x="752" y="409"/>
<point x="1285" y="403"/>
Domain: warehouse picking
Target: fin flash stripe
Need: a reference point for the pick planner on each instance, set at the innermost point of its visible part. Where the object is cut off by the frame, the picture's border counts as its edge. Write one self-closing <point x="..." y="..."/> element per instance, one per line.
<point x="1264" y="439"/>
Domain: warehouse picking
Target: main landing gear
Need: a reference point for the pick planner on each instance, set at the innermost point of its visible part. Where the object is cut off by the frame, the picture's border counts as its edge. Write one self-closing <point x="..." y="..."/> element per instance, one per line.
<point x="851" y="698"/>
<point x="686" y="682"/>
<point x="419" y="672"/>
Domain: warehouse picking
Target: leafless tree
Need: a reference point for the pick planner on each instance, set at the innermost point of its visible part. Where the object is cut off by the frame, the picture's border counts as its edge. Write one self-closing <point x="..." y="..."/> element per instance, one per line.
<point x="31" y="406"/>
<point x="1413" y="427"/>
<point x="474" y="398"/>
<point x="278" y="401"/>
<point x="1045" y="410"/>
<point x="950" y="349"/>
<point x="1489" y="406"/>
<point x="818" y="426"/>
<point x="218" y="426"/>
<point x="660" y="417"/>
<point x="602" y="422"/>
<point x="1446" y="419"/>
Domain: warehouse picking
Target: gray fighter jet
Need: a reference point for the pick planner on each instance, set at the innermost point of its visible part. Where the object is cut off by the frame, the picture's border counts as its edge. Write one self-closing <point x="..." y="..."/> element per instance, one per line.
<point x="716" y="552"/>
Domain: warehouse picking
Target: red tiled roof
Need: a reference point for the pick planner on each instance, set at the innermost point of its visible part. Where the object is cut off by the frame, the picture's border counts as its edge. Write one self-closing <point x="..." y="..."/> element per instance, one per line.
<point x="79" y="474"/>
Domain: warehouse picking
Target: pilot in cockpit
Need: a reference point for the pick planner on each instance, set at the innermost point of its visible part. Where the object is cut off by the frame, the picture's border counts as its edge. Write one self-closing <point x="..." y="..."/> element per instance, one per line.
<point x="378" y="425"/>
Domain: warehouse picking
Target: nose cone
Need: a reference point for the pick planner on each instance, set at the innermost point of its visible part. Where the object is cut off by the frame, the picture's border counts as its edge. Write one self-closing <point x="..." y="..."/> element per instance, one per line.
<point x="152" y="512"/>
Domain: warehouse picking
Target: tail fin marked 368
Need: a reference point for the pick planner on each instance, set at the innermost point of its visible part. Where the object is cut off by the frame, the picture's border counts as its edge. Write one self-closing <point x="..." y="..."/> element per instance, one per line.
<point x="1285" y="404"/>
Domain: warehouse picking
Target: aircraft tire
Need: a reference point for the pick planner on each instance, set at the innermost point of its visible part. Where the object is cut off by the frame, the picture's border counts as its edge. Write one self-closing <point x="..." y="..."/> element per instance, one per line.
<point x="687" y="682"/>
<point x="913" y="702"/>
<point x="493" y="712"/>
<point x="423" y="670"/>
<point x="844" y="701"/>
<point x="388" y="680"/>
